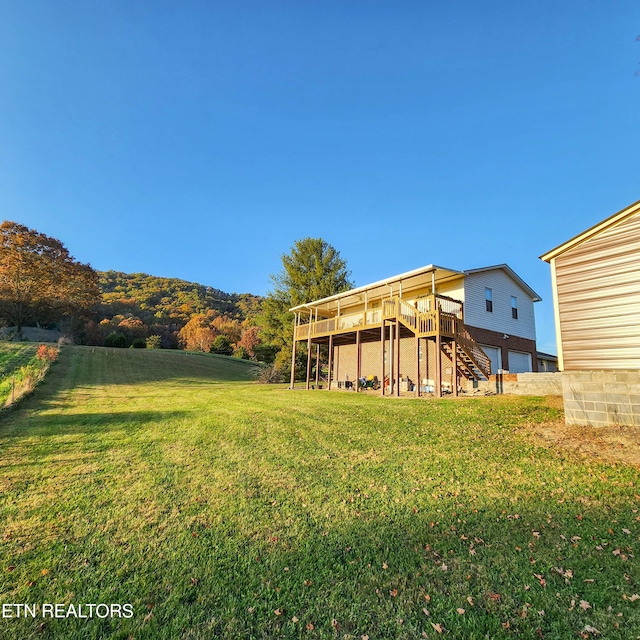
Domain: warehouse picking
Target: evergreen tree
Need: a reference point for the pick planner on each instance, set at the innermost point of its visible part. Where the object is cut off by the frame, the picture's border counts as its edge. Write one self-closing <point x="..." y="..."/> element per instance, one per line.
<point x="312" y="270"/>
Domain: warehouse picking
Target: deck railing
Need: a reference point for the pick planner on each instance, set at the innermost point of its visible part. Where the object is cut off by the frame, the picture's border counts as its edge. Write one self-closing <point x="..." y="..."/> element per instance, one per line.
<point x="429" y="315"/>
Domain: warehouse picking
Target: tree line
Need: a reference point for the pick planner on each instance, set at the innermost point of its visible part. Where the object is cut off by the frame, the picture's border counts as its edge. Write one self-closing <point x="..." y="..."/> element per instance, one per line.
<point x="42" y="284"/>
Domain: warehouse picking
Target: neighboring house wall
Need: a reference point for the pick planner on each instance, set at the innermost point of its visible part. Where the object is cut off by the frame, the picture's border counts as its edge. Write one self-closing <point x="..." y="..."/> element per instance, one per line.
<point x="549" y="365"/>
<point x="598" y="299"/>
<point x="596" y="287"/>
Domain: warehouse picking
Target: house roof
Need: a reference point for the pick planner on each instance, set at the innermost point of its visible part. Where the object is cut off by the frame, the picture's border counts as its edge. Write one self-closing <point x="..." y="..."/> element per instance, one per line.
<point x="611" y="221"/>
<point x="408" y="281"/>
<point x="546" y="356"/>
<point x="512" y="274"/>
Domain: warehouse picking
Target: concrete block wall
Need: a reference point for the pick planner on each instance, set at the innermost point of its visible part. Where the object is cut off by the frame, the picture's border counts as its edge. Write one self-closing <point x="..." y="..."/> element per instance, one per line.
<point x="602" y="398"/>
<point x="524" y="384"/>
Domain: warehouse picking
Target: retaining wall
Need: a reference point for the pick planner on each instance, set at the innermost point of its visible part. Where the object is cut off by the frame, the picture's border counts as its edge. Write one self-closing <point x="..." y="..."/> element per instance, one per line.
<point x="524" y="384"/>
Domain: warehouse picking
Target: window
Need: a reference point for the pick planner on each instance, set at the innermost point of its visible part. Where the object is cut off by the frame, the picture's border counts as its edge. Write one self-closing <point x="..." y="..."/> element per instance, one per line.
<point x="514" y="307"/>
<point x="488" y="298"/>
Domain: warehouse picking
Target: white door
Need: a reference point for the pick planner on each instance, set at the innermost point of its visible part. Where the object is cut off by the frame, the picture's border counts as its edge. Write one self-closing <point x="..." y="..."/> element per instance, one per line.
<point x="519" y="362"/>
<point x="495" y="355"/>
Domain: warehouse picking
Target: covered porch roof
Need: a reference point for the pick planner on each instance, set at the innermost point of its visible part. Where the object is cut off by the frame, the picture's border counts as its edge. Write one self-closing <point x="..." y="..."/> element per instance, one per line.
<point x="402" y="283"/>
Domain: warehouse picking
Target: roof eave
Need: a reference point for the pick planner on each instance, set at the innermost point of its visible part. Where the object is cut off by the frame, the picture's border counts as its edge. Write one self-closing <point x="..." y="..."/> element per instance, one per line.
<point x="592" y="231"/>
<point x="512" y="274"/>
<point x="379" y="283"/>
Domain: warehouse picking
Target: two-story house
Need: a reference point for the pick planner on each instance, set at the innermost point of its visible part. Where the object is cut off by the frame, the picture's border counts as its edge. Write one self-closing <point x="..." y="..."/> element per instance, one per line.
<point x="428" y="330"/>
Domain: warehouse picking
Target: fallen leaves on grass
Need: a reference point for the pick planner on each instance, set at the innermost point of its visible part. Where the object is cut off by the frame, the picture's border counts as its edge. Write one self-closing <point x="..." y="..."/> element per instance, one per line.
<point x="541" y="580"/>
<point x="438" y="628"/>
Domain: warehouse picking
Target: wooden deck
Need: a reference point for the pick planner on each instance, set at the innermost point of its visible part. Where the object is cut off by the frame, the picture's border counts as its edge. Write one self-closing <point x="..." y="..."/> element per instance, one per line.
<point x="433" y="316"/>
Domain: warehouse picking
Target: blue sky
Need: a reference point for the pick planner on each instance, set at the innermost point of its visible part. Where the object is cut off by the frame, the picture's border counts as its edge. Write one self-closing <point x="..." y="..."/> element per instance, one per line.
<point x="200" y="139"/>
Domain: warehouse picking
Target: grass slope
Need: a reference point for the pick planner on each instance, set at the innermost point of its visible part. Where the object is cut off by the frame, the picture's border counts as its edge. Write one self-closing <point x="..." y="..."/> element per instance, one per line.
<point x="14" y="356"/>
<point x="219" y="508"/>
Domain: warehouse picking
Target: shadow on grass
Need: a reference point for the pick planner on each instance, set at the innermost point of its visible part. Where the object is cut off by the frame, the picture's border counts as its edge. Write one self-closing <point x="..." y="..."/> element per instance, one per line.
<point x="94" y="423"/>
<point x="473" y="574"/>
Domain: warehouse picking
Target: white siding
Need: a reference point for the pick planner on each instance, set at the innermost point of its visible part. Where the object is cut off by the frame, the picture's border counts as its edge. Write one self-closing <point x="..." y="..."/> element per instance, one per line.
<point x="501" y="320"/>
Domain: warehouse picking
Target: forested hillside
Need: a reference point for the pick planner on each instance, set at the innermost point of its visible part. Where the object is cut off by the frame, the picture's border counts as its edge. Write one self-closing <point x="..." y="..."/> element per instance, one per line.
<point x="168" y="301"/>
<point x="138" y="305"/>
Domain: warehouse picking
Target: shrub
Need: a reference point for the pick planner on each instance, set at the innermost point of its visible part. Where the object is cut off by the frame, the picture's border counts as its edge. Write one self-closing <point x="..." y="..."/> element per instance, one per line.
<point x="45" y="352"/>
<point x="139" y="343"/>
<point x="154" y="342"/>
<point x="116" y="339"/>
<point x="242" y="353"/>
<point x="222" y="346"/>
<point x="269" y="374"/>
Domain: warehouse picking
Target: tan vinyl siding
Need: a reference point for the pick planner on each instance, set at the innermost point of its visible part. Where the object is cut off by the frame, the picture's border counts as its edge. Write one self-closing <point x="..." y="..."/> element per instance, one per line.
<point x="598" y="292"/>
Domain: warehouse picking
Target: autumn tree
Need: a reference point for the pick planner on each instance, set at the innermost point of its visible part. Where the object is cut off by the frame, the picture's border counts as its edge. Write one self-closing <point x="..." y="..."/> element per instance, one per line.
<point x="39" y="280"/>
<point x="199" y="333"/>
<point x="250" y="340"/>
<point x="313" y="269"/>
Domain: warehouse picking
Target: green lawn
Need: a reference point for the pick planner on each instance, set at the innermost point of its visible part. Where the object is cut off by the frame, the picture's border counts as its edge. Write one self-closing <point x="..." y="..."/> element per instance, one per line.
<point x="14" y="356"/>
<point x="223" y="508"/>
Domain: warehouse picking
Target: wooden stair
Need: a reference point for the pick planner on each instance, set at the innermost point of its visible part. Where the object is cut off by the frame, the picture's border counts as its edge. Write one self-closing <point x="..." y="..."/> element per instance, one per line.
<point x="472" y="362"/>
<point x="468" y="365"/>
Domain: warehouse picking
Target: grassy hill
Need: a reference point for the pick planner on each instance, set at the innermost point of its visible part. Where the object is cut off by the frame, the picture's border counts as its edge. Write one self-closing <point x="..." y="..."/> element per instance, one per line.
<point x="14" y="356"/>
<point x="106" y="366"/>
<point x="222" y="508"/>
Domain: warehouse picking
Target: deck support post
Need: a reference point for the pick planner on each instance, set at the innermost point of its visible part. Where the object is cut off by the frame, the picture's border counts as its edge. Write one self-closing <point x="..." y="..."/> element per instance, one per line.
<point x="382" y="357"/>
<point x="438" y="363"/>
<point x="397" y="357"/>
<point x="317" y="365"/>
<point x="417" y="389"/>
<point x="358" y="358"/>
<point x="454" y="368"/>
<point x="330" y="362"/>
<point x="391" y="359"/>
<point x="309" y="353"/>
<point x="293" y="353"/>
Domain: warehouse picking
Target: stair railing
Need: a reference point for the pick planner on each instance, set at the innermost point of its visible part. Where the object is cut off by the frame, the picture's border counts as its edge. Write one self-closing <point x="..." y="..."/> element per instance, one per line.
<point x="473" y="350"/>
